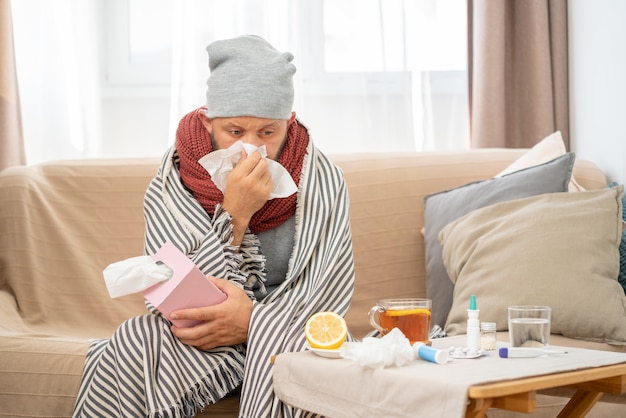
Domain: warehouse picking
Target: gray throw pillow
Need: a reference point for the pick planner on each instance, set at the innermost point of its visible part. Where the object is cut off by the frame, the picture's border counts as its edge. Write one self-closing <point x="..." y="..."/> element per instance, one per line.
<point x="444" y="207"/>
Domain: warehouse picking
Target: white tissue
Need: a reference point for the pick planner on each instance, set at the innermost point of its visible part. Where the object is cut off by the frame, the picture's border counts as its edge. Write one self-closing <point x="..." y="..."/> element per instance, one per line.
<point x="394" y="349"/>
<point x="134" y="275"/>
<point x="221" y="162"/>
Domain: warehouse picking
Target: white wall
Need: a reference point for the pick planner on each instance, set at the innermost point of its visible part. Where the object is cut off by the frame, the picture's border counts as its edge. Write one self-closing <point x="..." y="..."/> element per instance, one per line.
<point x="597" y="58"/>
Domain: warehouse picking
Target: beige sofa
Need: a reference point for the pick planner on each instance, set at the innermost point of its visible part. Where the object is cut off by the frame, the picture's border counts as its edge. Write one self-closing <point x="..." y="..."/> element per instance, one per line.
<point x="61" y="223"/>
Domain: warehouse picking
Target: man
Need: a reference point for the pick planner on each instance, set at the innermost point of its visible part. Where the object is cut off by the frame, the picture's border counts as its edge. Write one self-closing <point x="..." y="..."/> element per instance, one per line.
<point x="278" y="260"/>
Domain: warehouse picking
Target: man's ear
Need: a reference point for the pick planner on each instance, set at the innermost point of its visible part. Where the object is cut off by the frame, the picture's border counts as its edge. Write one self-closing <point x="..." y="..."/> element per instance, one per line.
<point x="292" y="119"/>
<point x="206" y="122"/>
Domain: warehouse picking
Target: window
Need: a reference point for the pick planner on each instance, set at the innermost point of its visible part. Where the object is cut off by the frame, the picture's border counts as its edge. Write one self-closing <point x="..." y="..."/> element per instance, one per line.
<point x="373" y="75"/>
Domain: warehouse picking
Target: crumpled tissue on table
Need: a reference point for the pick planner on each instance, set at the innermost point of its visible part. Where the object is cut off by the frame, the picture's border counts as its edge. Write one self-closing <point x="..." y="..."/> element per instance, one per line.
<point x="220" y="163"/>
<point x="134" y="275"/>
<point x="394" y="349"/>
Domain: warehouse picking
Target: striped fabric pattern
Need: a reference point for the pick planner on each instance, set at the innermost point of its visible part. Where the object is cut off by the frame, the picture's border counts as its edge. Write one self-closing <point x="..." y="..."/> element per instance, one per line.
<point x="143" y="370"/>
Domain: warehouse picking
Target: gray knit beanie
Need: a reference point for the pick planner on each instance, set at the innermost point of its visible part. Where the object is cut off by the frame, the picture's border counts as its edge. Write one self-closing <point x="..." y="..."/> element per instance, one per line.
<point x="249" y="77"/>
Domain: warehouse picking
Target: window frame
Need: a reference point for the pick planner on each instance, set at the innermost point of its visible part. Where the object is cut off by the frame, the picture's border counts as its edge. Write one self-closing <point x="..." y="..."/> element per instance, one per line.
<point x="124" y="78"/>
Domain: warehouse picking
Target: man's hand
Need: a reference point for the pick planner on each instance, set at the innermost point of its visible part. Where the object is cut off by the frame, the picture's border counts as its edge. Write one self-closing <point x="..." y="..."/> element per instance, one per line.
<point x="223" y="324"/>
<point x="247" y="189"/>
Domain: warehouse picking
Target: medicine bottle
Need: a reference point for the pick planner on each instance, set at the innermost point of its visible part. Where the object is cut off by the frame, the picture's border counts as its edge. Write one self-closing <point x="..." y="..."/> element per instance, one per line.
<point x="488" y="335"/>
<point x="473" y="326"/>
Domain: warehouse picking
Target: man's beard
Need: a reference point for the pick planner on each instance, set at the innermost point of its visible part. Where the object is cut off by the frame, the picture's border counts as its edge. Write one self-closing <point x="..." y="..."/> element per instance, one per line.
<point x="215" y="147"/>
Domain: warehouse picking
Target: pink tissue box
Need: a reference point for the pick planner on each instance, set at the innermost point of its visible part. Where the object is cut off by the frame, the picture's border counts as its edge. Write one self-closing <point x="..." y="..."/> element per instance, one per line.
<point x="188" y="287"/>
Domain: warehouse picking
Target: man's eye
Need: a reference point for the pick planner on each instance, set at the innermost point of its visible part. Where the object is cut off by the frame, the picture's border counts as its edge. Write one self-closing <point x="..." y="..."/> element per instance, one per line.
<point x="235" y="132"/>
<point x="268" y="133"/>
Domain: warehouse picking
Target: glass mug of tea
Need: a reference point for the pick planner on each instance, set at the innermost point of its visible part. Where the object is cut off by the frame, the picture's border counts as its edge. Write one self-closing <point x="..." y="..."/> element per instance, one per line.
<point x="409" y="315"/>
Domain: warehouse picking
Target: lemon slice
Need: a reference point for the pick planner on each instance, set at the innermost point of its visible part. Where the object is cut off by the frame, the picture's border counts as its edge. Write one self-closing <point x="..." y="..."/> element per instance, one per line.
<point x="326" y="330"/>
<point x="410" y="311"/>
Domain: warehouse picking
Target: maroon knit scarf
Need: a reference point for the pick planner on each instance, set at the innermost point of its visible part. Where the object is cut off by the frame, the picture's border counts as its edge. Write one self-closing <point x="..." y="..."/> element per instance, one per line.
<point x="194" y="142"/>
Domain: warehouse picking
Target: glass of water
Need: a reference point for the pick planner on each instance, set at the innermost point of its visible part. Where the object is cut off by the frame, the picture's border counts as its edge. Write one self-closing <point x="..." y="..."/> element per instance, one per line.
<point x="529" y="326"/>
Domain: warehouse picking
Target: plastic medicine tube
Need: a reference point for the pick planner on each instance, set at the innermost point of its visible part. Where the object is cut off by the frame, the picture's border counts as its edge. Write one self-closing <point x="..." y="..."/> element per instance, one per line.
<point x="430" y="354"/>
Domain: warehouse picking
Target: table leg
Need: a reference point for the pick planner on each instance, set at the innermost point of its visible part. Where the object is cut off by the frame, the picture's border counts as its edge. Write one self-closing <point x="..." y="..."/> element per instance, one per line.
<point x="580" y="404"/>
<point x="477" y="408"/>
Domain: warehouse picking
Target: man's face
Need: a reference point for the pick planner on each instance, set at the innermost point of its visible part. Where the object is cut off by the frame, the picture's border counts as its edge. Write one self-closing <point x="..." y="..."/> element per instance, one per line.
<point x="256" y="131"/>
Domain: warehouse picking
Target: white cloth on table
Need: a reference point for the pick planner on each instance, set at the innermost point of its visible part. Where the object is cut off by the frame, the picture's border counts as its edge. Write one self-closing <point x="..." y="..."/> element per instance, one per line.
<point x="342" y="388"/>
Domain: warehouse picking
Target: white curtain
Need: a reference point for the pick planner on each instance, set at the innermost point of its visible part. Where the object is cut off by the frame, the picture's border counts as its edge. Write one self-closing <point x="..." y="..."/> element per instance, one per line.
<point x="372" y="75"/>
<point x="111" y="78"/>
<point x="58" y="75"/>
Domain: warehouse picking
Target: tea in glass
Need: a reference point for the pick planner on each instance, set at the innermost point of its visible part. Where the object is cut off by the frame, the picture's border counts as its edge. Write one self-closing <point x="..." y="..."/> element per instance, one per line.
<point x="411" y="316"/>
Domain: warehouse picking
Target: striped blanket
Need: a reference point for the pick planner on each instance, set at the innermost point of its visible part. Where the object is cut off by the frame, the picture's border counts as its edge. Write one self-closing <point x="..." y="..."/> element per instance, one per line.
<point x="143" y="370"/>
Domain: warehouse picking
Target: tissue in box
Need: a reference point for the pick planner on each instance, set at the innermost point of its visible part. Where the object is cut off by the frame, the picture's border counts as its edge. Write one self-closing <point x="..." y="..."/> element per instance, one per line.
<point x="188" y="287"/>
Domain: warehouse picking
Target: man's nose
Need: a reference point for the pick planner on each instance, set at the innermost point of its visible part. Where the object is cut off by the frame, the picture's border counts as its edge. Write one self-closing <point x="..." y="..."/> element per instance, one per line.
<point x="252" y="139"/>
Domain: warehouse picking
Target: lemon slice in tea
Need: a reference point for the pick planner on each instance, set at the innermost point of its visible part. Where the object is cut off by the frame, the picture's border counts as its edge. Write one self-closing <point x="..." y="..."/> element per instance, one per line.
<point x="408" y="311"/>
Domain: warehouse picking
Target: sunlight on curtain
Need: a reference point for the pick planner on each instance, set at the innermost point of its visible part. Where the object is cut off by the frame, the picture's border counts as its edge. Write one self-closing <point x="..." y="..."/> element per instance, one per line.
<point x="396" y="75"/>
<point x="372" y="75"/>
<point x="55" y="47"/>
<point x="112" y="78"/>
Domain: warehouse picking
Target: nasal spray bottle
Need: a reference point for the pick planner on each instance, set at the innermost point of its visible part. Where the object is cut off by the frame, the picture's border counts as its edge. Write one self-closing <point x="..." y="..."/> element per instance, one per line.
<point x="473" y="326"/>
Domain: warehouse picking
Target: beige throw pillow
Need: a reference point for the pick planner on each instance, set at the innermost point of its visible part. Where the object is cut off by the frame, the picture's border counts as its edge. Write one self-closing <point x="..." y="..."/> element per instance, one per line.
<point x="547" y="149"/>
<point x="557" y="249"/>
<point x="446" y="206"/>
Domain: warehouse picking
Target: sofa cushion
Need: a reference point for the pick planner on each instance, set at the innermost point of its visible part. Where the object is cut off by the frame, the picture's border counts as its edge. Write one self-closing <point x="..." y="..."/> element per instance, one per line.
<point x="62" y="224"/>
<point x="549" y="148"/>
<point x="444" y="207"/>
<point x="556" y="249"/>
<point x="39" y="377"/>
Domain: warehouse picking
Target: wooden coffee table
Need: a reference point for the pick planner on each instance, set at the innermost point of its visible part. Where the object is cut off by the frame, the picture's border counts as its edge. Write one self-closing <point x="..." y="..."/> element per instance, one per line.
<point x="519" y="394"/>
<point x="342" y="387"/>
